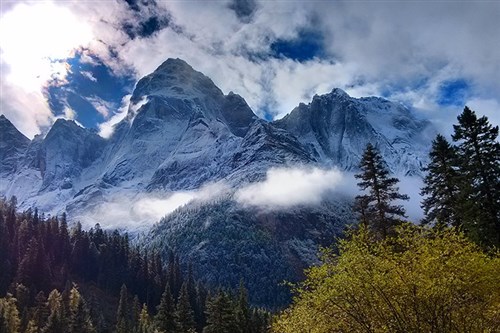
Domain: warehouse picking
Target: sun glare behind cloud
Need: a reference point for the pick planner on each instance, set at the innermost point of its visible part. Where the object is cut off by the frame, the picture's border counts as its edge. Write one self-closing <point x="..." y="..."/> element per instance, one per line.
<point x="35" y="38"/>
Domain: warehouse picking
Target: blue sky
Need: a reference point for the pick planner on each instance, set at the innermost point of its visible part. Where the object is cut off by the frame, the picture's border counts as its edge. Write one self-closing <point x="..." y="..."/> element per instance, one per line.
<point x="80" y="60"/>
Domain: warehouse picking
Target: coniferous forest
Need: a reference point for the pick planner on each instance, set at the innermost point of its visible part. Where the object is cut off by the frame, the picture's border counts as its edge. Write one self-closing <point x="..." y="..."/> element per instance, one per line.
<point x="59" y="279"/>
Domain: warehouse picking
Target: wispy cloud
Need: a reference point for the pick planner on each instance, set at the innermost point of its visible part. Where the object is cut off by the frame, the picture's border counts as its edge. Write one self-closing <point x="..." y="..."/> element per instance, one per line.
<point x="287" y="187"/>
<point x="89" y="76"/>
<point x="136" y="211"/>
<point x="107" y="128"/>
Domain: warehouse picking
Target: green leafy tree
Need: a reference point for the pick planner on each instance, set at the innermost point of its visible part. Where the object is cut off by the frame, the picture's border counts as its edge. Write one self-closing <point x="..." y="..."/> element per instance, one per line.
<point x="441" y="186"/>
<point x="479" y="154"/>
<point x="420" y="280"/>
<point x="376" y="207"/>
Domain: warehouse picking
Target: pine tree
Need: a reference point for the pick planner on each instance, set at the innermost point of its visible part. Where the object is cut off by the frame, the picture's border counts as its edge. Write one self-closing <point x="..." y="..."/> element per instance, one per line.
<point x="135" y="312"/>
<point x="378" y="208"/>
<point x="55" y="323"/>
<point x="5" y="260"/>
<point x="441" y="189"/>
<point x="479" y="154"/>
<point x="145" y="325"/>
<point x="220" y="315"/>
<point x="33" y="270"/>
<point x="201" y="297"/>
<point x="10" y="315"/>
<point x="79" y="317"/>
<point x="165" y="316"/>
<point x="191" y="286"/>
<point x="122" y="315"/>
<point x="243" y="315"/>
<point x="41" y="312"/>
<point x="31" y="327"/>
<point x="184" y="313"/>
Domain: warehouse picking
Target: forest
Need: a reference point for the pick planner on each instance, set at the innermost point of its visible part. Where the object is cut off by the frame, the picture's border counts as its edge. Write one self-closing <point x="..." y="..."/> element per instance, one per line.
<point x="386" y="275"/>
<point x="55" y="279"/>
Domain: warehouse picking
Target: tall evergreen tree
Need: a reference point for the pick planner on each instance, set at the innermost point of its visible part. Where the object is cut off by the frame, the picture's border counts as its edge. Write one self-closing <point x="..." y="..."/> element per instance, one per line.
<point x="9" y="314"/>
<point x="441" y="186"/>
<point x="201" y="297"/>
<point x="79" y="317"/>
<point x="220" y="315"/>
<point x="165" y="315"/>
<point x="122" y="315"/>
<point x="5" y="260"/>
<point x="243" y="314"/>
<point x="479" y="154"/>
<point x="144" y="325"/>
<point x="184" y="313"/>
<point x="377" y="205"/>
<point x="41" y="312"/>
<point x="55" y="323"/>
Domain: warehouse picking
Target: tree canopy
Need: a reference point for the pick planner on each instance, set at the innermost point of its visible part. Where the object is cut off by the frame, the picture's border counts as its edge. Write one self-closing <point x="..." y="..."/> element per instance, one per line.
<point x="420" y="280"/>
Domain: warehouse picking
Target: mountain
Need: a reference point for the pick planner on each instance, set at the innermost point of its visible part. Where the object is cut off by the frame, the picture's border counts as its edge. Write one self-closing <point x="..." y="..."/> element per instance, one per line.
<point x="185" y="133"/>
<point x="227" y="242"/>
<point x="336" y="128"/>
<point x="182" y="133"/>
<point x="12" y="145"/>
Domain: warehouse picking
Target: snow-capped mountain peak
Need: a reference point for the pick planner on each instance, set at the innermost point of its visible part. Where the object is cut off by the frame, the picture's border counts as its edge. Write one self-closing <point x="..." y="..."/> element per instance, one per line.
<point x="336" y="129"/>
<point x="186" y="133"/>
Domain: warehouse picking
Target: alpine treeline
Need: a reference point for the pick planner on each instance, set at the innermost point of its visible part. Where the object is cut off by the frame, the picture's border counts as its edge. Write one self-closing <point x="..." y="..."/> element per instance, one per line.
<point x="55" y="279"/>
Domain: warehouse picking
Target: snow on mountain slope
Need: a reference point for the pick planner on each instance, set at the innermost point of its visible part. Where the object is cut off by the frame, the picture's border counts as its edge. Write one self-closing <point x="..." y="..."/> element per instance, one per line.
<point x="182" y="132"/>
<point x="12" y="146"/>
<point x="186" y="133"/>
<point x="336" y="128"/>
<point x="183" y="138"/>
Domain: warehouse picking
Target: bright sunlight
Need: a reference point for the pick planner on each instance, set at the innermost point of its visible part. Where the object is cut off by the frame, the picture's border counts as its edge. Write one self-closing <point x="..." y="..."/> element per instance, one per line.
<point x="35" y="38"/>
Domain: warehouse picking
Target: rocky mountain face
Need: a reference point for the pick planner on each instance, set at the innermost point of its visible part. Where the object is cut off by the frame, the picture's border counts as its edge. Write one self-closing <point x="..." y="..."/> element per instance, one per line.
<point x="12" y="145"/>
<point x="335" y="128"/>
<point x="182" y="132"/>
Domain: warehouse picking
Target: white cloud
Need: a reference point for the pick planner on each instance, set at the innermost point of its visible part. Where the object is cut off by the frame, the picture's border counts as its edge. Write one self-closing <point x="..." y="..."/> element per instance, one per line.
<point x="107" y="128"/>
<point x="89" y="75"/>
<point x="136" y="211"/>
<point x="31" y="50"/>
<point x="286" y="187"/>
<point x="69" y="113"/>
<point x="28" y="111"/>
<point x="370" y="48"/>
<point x="103" y="107"/>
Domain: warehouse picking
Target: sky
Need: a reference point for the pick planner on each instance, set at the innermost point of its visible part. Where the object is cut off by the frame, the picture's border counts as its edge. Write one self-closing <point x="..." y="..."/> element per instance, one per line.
<point x="81" y="59"/>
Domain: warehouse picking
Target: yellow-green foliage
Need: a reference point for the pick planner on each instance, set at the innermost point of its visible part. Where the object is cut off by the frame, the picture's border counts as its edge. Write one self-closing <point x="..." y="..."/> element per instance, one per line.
<point x="418" y="281"/>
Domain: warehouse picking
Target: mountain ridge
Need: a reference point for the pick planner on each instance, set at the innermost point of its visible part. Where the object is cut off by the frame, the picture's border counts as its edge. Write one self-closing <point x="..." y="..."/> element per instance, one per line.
<point x="186" y="133"/>
<point x="182" y="134"/>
